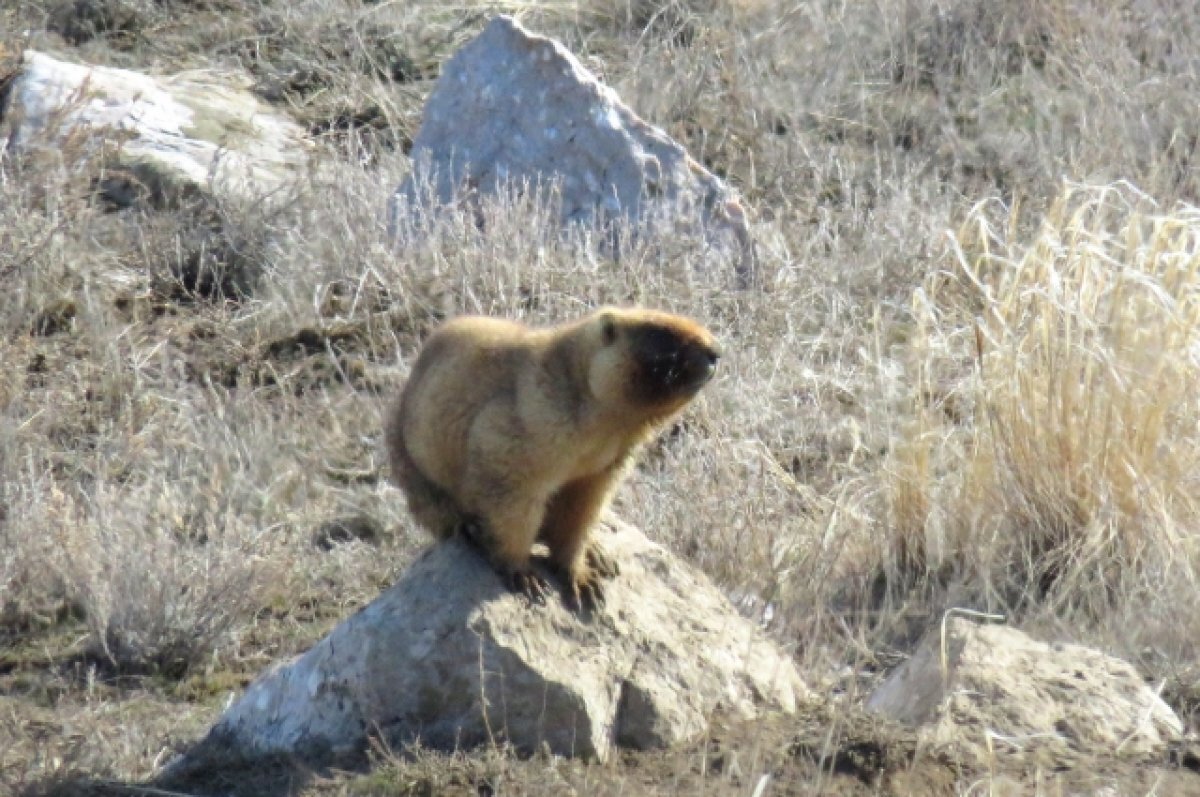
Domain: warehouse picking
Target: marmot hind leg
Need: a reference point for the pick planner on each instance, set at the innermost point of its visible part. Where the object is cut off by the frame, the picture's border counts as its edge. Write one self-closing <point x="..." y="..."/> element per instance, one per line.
<point x="502" y="538"/>
<point x="432" y="506"/>
<point x="493" y="538"/>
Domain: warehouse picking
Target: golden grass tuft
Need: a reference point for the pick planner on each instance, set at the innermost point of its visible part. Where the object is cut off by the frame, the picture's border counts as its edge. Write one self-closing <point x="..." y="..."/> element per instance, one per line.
<point x="1078" y="350"/>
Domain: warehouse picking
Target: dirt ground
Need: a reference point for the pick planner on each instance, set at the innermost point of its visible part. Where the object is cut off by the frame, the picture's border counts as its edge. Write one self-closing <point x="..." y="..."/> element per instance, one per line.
<point x="826" y="748"/>
<point x="818" y="753"/>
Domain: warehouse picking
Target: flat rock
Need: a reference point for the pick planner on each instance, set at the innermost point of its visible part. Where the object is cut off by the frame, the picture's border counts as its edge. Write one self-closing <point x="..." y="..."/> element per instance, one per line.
<point x="196" y="130"/>
<point x="515" y="108"/>
<point x="448" y="656"/>
<point x="982" y="689"/>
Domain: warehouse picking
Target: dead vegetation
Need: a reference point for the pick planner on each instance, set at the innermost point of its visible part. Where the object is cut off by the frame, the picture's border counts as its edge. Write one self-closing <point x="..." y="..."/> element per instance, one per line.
<point x="968" y="379"/>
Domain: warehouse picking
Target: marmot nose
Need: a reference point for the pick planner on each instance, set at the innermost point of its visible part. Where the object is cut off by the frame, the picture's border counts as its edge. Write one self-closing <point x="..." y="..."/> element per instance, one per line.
<point x="705" y="363"/>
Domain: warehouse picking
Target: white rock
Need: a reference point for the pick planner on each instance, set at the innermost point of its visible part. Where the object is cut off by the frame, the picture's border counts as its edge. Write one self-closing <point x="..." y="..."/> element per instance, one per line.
<point x="512" y="107"/>
<point x="450" y="657"/>
<point x="197" y="128"/>
<point x="985" y="688"/>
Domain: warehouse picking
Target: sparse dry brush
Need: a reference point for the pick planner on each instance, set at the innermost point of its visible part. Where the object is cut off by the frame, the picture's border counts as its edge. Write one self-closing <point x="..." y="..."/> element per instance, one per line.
<point x="965" y="381"/>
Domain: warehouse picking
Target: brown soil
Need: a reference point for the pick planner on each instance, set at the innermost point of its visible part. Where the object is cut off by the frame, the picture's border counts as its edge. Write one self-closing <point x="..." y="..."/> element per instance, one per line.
<point x="825" y="750"/>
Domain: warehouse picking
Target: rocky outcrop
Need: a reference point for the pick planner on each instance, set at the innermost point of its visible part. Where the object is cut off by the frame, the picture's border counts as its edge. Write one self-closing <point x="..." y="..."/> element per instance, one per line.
<point x="977" y="690"/>
<point x="153" y="136"/>
<point x="514" y="109"/>
<point x="450" y="657"/>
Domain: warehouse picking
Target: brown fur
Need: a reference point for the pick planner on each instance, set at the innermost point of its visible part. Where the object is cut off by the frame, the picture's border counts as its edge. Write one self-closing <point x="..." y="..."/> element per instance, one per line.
<point x="514" y="435"/>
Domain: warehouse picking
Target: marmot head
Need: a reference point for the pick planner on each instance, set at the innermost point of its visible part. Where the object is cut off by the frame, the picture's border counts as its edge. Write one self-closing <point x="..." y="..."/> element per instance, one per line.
<point x="648" y="360"/>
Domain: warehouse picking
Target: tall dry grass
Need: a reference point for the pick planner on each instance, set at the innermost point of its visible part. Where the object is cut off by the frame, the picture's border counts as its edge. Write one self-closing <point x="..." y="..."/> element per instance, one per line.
<point x="1050" y="467"/>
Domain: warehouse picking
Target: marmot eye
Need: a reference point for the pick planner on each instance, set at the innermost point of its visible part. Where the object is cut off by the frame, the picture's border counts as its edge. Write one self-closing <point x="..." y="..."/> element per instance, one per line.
<point x="609" y="330"/>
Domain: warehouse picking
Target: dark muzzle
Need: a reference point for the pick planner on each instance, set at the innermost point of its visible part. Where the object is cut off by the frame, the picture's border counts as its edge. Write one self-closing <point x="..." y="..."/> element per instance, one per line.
<point x="684" y="370"/>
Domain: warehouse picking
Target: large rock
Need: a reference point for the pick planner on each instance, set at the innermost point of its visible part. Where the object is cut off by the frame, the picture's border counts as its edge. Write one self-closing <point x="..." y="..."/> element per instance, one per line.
<point x="981" y="689"/>
<point x="448" y="656"/>
<point x="512" y="107"/>
<point x="193" y="131"/>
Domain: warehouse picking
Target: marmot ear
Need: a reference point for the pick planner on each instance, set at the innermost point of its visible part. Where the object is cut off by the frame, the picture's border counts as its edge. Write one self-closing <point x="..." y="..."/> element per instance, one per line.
<point x="608" y="327"/>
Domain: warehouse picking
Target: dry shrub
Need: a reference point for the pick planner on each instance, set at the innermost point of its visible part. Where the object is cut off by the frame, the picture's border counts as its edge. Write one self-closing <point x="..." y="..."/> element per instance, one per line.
<point x="130" y="498"/>
<point x="120" y="21"/>
<point x="1007" y="96"/>
<point x="150" y="536"/>
<point x="31" y="594"/>
<point x="155" y="601"/>
<point x="941" y="42"/>
<point x="673" y="22"/>
<point x="1071" y="479"/>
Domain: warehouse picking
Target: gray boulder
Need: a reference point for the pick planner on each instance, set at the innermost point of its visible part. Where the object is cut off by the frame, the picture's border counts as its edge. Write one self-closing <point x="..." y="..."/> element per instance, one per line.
<point x="448" y="656"/>
<point x="193" y="131"/>
<point x="981" y="689"/>
<point x="512" y="108"/>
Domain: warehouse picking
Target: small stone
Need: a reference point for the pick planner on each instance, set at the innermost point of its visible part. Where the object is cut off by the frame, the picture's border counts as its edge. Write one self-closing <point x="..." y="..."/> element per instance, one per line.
<point x="985" y="688"/>
<point x="155" y="137"/>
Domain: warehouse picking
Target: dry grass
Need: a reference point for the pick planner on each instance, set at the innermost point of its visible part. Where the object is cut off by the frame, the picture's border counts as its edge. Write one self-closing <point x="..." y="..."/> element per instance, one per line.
<point x="1069" y="483"/>
<point x="964" y="381"/>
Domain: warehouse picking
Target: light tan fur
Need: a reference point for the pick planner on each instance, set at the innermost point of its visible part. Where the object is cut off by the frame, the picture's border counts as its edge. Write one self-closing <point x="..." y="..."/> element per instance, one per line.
<point x="514" y="435"/>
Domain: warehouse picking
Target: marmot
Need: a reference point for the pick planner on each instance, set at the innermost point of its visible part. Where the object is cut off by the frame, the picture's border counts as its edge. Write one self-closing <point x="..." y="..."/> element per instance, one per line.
<point x="514" y="435"/>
